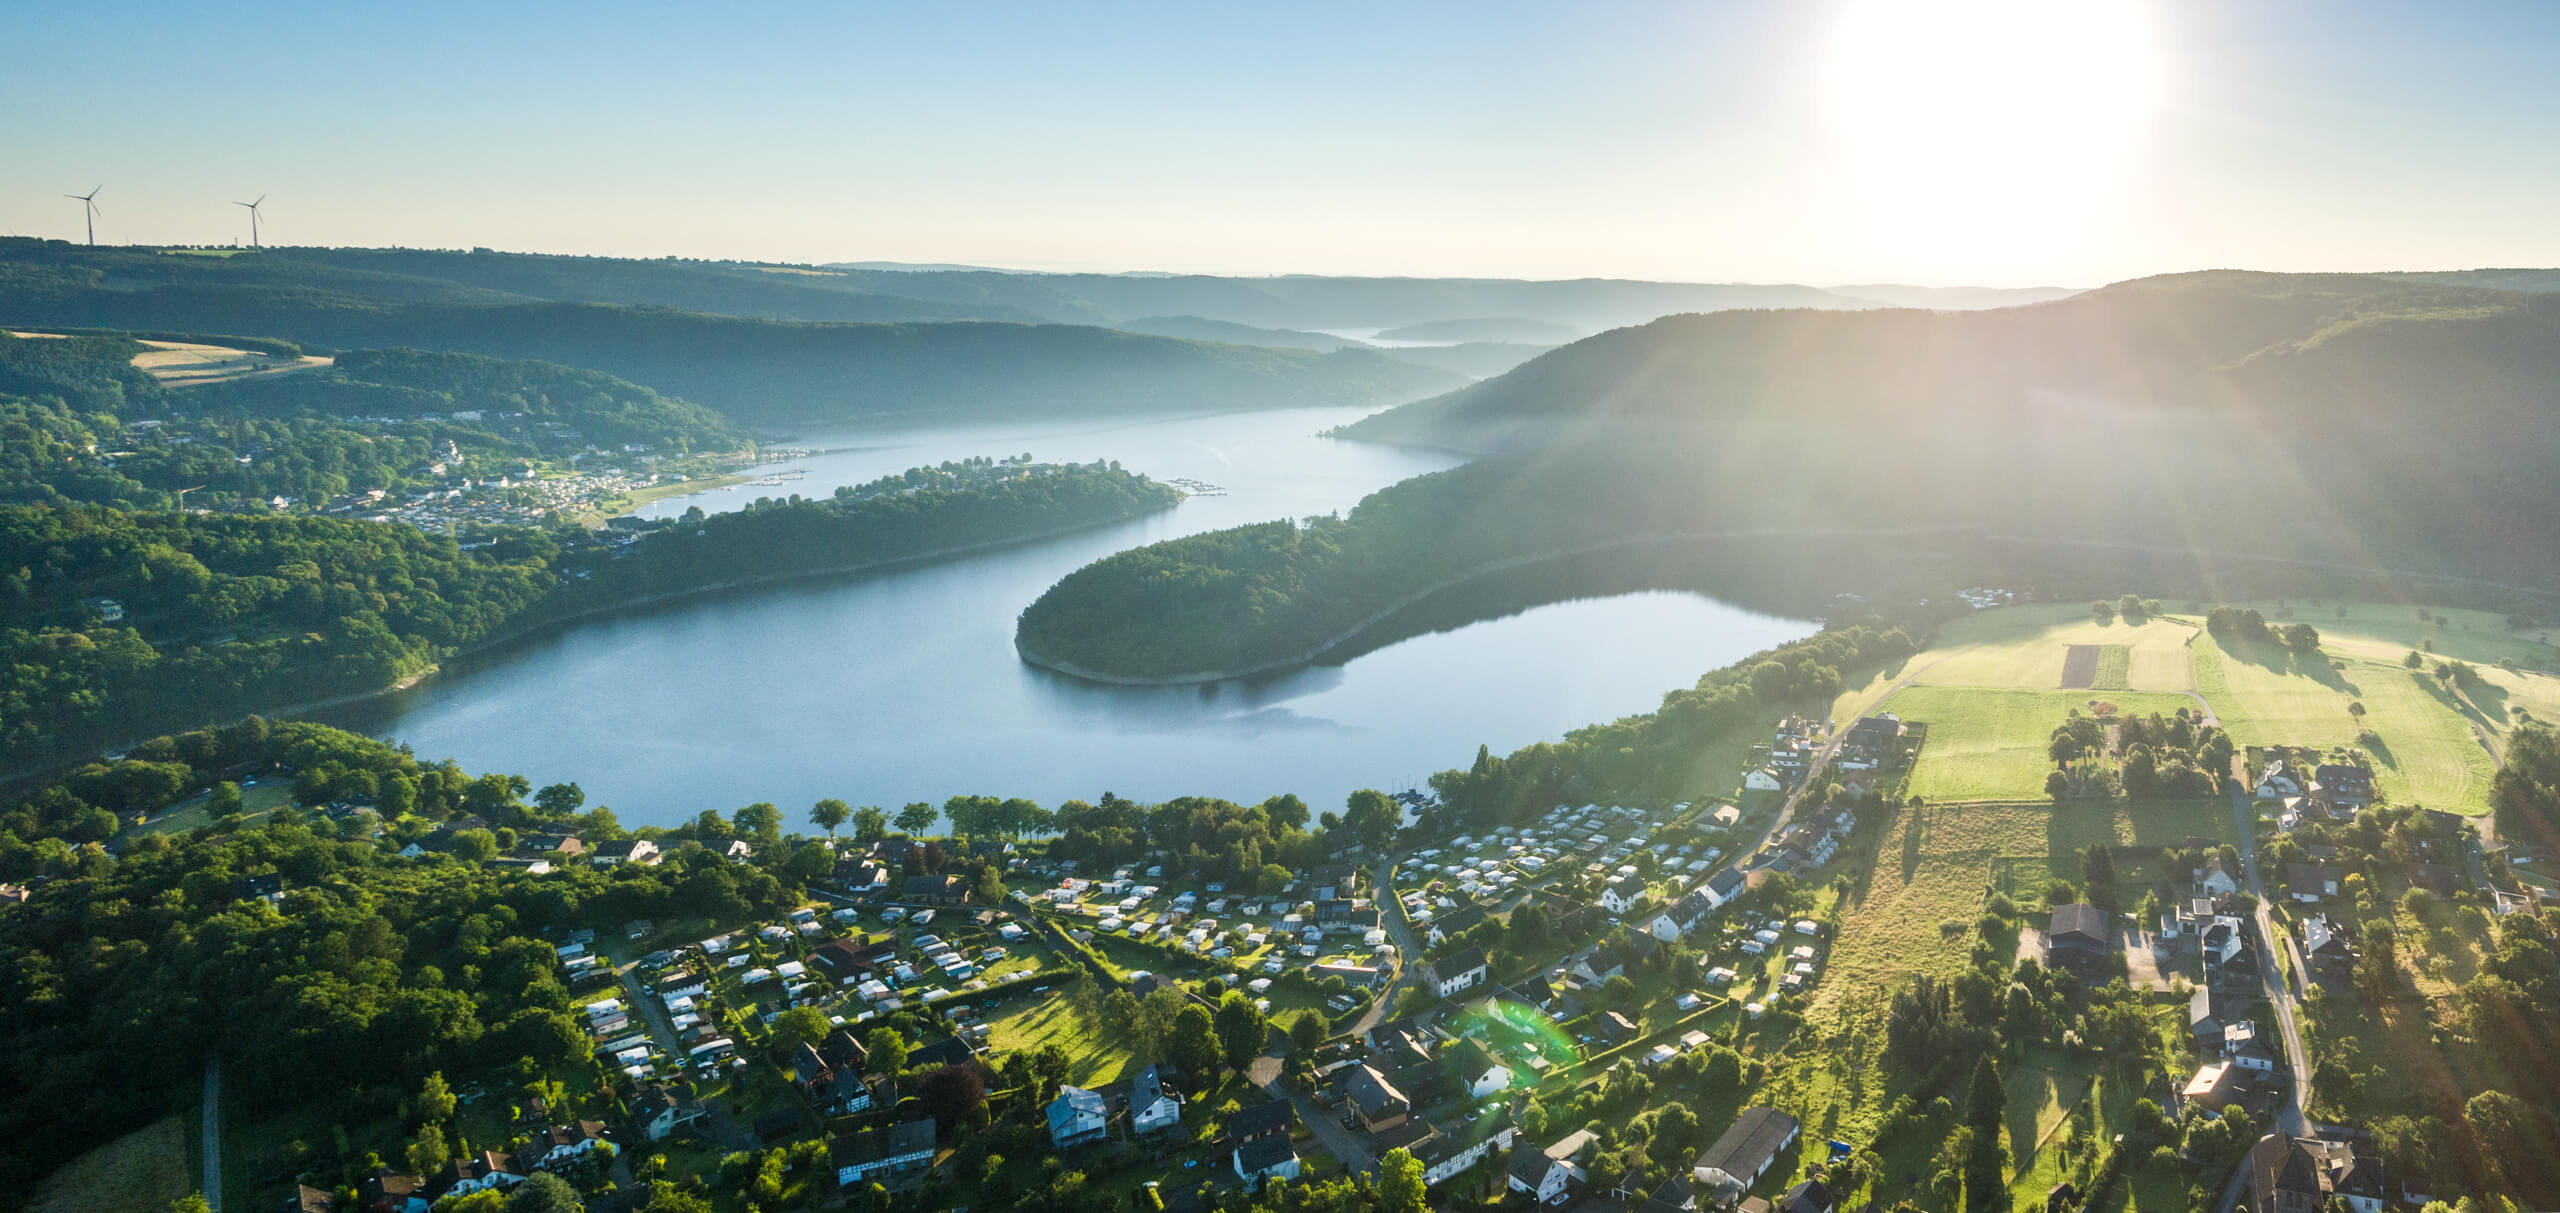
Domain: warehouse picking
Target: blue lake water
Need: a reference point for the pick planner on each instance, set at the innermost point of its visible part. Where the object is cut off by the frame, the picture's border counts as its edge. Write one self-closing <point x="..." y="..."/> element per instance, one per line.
<point x="903" y="686"/>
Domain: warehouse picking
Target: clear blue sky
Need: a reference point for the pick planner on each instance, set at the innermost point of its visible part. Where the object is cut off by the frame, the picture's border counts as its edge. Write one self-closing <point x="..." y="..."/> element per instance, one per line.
<point x="1690" y="141"/>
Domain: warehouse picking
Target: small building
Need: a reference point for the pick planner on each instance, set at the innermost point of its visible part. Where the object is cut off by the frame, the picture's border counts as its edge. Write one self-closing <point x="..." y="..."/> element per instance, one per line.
<point x="639" y="851"/>
<point x="1622" y="894"/>
<point x="900" y="1149"/>
<point x="2305" y="1174"/>
<point x="1152" y="1109"/>
<point x="1374" y="1100"/>
<point x="2077" y="937"/>
<point x="935" y="890"/>
<point x="1266" y="1158"/>
<point x="657" y="1112"/>
<point x="1745" y="1151"/>
<point x="1460" y="971"/>
<point x="2342" y="785"/>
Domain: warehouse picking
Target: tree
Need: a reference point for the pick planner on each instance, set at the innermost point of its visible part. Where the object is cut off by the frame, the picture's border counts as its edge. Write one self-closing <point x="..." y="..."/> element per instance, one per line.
<point x="225" y="803"/>
<point x="1621" y="991"/>
<point x="1241" y="1030"/>
<point x="799" y="1026"/>
<point x="192" y="1202"/>
<point x="1120" y="1015"/>
<point x="478" y="846"/>
<point x="2056" y="783"/>
<point x="1193" y="1044"/>
<point x="1986" y="1107"/>
<point x="1154" y="1021"/>
<point x="2356" y="709"/>
<point x="1400" y="1182"/>
<point x="828" y="814"/>
<point x="1371" y="817"/>
<point x="2413" y="661"/>
<point x="870" y="824"/>
<point x="665" y="1197"/>
<point x="2102" y="611"/>
<point x="560" y="799"/>
<point x="2097" y="866"/>
<point x="435" y="1100"/>
<point x="1306" y="1033"/>
<point x="427" y="1154"/>
<point x="886" y="1051"/>
<point x="952" y="1093"/>
<point x="544" y="1193"/>
<point x="916" y="818"/>
<point x="761" y="821"/>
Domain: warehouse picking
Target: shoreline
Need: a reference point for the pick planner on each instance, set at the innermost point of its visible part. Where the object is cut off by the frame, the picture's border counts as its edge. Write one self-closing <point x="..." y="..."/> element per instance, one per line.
<point x="1332" y="643"/>
<point x="527" y="631"/>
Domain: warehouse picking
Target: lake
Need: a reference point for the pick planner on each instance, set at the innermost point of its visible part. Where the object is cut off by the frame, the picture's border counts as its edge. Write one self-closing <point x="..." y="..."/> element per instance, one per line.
<point x="903" y="686"/>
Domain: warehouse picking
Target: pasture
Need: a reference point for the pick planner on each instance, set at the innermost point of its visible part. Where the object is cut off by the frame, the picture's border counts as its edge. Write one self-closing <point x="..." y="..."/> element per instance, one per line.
<point x="2025" y="648"/>
<point x="1991" y="744"/>
<point x="143" y="1170"/>
<point x="2426" y="752"/>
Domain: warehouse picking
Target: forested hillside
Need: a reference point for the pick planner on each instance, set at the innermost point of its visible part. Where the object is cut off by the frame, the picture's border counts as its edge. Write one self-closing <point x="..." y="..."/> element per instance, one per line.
<point x="754" y="370"/>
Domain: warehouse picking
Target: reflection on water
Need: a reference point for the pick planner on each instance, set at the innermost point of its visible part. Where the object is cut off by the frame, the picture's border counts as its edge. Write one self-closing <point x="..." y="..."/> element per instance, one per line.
<point x="904" y="686"/>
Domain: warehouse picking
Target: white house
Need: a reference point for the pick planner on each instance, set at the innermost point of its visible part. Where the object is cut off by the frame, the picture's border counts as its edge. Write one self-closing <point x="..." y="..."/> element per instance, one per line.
<point x="1151" y="1109"/>
<point x="1076" y="1116"/>
<point x="1621" y="894"/>
<point x="1462" y="971"/>
<point x="1546" y="1176"/>
<point x="1723" y="887"/>
<point x="2216" y="882"/>
<point x="1763" y="779"/>
<point x="2276" y="783"/>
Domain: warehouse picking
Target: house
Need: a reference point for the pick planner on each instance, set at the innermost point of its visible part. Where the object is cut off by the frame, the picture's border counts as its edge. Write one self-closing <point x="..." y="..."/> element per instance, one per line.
<point x="626" y="850"/>
<point x="1359" y="977"/>
<point x="1621" y="894"/>
<point x="1446" y="1155"/>
<point x="2435" y="878"/>
<point x="1615" y="1026"/>
<point x="1726" y="815"/>
<point x="1726" y="885"/>
<point x="1260" y="1121"/>
<point x="1266" y="1158"/>
<point x="2209" y="1016"/>
<point x="2216" y="1085"/>
<point x="1806" y="1197"/>
<point x="1546" y="1176"/>
<point x="464" y="1176"/>
<point x="859" y="1158"/>
<point x="1763" y="779"/>
<point x="2214" y="882"/>
<point x="1445" y="927"/>
<point x="2248" y="1050"/>
<point x="845" y="959"/>
<point x="2276" y="783"/>
<point x="2229" y="959"/>
<point x="1152" y="1109"/>
<point x="935" y="890"/>
<point x="389" y="1191"/>
<point x="1674" y="1196"/>
<point x="544" y="844"/>
<point x="1460" y="971"/>
<point x="1376" y="1101"/>
<point x="2328" y="949"/>
<point x="1746" y="1150"/>
<point x="2077" y="937"/>
<point x="656" y="1112"/>
<point x="2305" y="1174"/>
<point x="2311" y="882"/>
<point x="559" y="1145"/>
<point x="308" y="1199"/>
<point x="1077" y="1116"/>
<point x="1476" y="1069"/>
<point x="2348" y="787"/>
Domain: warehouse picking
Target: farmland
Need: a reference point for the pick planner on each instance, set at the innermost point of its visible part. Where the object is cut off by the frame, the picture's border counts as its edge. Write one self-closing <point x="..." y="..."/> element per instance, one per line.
<point x="1990" y="744"/>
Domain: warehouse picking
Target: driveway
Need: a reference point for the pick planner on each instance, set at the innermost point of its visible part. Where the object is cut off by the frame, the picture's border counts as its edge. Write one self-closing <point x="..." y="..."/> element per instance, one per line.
<point x="213" y="1134"/>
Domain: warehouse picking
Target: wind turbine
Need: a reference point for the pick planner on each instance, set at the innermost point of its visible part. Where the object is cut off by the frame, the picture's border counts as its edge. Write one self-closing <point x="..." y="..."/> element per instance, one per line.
<point x="89" y="201"/>
<point x="253" y="219"/>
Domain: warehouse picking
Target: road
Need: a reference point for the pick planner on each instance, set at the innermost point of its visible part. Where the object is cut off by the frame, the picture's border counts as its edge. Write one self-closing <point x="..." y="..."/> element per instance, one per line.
<point x="1342" y="1143"/>
<point x="2295" y="1118"/>
<point x="723" y="1129"/>
<point x="213" y="1134"/>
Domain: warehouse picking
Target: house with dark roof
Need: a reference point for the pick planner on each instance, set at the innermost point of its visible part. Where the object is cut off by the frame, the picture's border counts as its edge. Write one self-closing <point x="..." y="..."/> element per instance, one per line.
<point x="1261" y="1120"/>
<point x="1447" y="1154"/>
<point x="657" y="1112"/>
<point x="389" y="1191"/>
<point x="1547" y="1176"/>
<point x="935" y="890"/>
<point x="2304" y="1174"/>
<point x="2342" y="785"/>
<point x="1622" y="894"/>
<point x="2329" y="949"/>
<point x="877" y="1154"/>
<point x="1444" y="927"/>
<point x="2209" y="1015"/>
<point x="464" y="1176"/>
<point x="1808" y="1196"/>
<point x="1266" y="1158"/>
<point x="1459" y="971"/>
<point x="1745" y="1151"/>
<point x="1476" y="1069"/>
<point x="1724" y="886"/>
<point x="625" y="850"/>
<point x="2312" y="882"/>
<point x="1376" y="1101"/>
<point x="2077" y="937"/>
<point x="308" y="1199"/>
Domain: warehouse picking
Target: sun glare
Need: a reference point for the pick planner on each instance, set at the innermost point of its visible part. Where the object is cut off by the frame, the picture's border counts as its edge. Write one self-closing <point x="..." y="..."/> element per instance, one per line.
<point x="1989" y="128"/>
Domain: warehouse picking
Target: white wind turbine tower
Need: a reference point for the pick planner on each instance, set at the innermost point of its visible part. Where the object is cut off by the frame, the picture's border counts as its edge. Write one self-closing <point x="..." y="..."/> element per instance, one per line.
<point x="253" y="218"/>
<point x="89" y="205"/>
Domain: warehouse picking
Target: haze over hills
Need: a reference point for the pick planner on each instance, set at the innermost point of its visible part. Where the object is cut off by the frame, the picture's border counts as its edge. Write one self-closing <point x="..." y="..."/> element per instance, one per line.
<point x="1195" y="328"/>
<point x="1489" y="328"/>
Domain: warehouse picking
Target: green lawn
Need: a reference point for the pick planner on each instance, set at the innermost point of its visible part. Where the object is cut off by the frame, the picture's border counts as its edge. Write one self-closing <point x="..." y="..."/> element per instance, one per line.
<point x="256" y="803"/>
<point x="2428" y="753"/>
<point x="1989" y="744"/>
<point x="1041" y="1022"/>
<point x="1933" y="866"/>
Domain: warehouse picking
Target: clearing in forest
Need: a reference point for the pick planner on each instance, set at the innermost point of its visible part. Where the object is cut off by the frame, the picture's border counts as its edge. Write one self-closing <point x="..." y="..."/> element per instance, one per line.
<point x="143" y="1170"/>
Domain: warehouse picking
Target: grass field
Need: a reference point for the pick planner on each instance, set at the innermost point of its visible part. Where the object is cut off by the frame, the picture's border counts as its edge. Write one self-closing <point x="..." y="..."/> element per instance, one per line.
<point x="1932" y="865"/>
<point x="2385" y="632"/>
<point x="2427" y="754"/>
<point x="140" y="1172"/>
<point x="1047" y="1021"/>
<point x="2115" y="668"/>
<point x="1990" y="744"/>
<point x="255" y="804"/>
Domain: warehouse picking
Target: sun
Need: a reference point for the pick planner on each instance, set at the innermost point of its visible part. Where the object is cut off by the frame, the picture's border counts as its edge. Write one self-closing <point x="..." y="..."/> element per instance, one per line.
<point x="1989" y="127"/>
